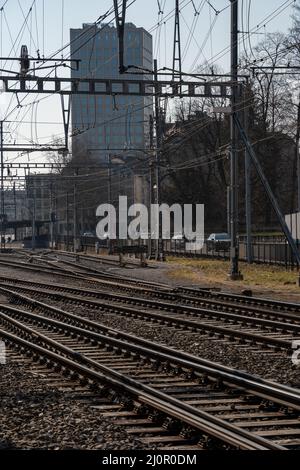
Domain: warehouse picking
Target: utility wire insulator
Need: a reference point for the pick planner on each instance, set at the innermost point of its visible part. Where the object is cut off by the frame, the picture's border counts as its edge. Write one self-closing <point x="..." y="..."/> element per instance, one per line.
<point x="120" y="25"/>
<point x="24" y="62"/>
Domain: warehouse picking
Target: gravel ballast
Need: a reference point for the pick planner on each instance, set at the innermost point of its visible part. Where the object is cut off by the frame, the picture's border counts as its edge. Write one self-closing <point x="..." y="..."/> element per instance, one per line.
<point x="34" y="415"/>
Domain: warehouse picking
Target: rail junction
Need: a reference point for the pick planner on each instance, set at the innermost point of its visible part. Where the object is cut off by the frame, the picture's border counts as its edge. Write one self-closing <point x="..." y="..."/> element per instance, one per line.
<point x="164" y="396"/>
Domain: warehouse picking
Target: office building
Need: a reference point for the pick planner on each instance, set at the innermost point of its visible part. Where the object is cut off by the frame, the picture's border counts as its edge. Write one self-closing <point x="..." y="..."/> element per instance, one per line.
<point x="105" y="125"/>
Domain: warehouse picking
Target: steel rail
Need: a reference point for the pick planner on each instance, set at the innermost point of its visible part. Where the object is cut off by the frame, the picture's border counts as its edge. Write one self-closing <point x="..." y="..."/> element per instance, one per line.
<point x="239" y="302"/>
<point x="143" y="346"/>
<point x="202" y="420"/>
<point x="96" y="277"/>
<point x="288" y="306"/>
<point x="206" y="292"/>
<point x="178" y="322"/>
<point x="161" y="305"/>
<point x="99" y="259"/>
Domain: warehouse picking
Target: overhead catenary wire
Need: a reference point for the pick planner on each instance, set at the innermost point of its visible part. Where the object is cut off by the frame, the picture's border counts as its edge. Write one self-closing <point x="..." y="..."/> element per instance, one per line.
<point x="269" y="18"/>
<point x="113" y="119"/>
<point x="29" y="29"/>
<point x="104" y="122"/>
<point x="192" y="29"/>
<point x="110" y="12"/>
<point x="62" y="24"/>
<point x="173" y="10"/>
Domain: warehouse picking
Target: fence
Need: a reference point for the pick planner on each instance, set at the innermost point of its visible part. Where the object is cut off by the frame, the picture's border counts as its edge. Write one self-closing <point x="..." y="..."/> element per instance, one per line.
<point x="267" y="253"/>
<point x="273" y="253"/>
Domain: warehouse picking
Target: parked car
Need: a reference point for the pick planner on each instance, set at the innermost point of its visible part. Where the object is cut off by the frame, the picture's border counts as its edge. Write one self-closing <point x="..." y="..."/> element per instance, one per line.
<point x="218" y="242"/>
<point x="178" y="240"/>
<point x="88" y="234"/>
<point x="147" y="235"/>
<point x="178" y="236"/>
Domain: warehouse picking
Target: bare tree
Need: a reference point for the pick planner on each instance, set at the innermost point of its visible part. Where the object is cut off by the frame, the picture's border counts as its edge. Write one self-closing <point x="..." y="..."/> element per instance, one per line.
<point x="59" y="158"/>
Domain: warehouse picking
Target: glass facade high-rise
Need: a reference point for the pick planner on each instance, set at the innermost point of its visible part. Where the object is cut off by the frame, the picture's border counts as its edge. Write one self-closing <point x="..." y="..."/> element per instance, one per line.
<point x="110" y="125"/>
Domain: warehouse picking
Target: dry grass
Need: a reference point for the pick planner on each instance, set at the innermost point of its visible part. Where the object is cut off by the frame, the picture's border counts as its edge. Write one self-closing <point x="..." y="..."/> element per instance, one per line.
<point x="216" y="271"/>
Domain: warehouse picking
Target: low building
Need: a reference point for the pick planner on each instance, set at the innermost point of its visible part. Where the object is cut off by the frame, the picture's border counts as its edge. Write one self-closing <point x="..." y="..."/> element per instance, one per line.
<point x="16" y="211"/>
<point x="40" y="189"/>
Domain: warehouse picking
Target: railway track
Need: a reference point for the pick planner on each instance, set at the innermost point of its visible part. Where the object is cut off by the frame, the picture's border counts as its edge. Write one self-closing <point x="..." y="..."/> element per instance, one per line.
<point x="275" y="305"/>
<point x="75" y="271"/>
<point x="180" y="302"/>
<point x="164" y="396"/>
<point x="208" y="295"/>
<point x="247" y="330"/>
<point x="245" y="323"/>
<point x="228" y="409"/>
<point x="106" y="260"/>
<point x="241" y="304"/>
<point x="191" y="294"/>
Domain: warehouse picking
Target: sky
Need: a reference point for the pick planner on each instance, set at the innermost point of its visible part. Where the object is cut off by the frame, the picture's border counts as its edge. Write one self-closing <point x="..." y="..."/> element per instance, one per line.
<point x="205" y="34"/>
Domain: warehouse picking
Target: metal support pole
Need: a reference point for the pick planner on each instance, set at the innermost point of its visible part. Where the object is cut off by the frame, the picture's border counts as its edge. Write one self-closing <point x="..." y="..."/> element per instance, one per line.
<point x="2" y="188"/>
<point x="66" y="112"/>
<point x="120" y="24"/>
<point x="150" y="206"/>
<point x="33" y="241"/>
<point x="298" y="154"/>
<point x="159" y="245"/>
<point x="151" y="136"/>
<point x="109" y="193"/>
<point x="234" y="249"/>
<point x="248" y="189"/>
<point x="298" y="177"/>
<point x="75" y="247"/>
<point x="55" y="227"/>
<point x="51" y="216"/>
<point x="15" y="209"/>
<point x="67" y="219"/>
<point x="228" y="211"/>
<point x="269" y="192"/>
<point x="177" y="65"/>
<point x="248" y="192"/>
